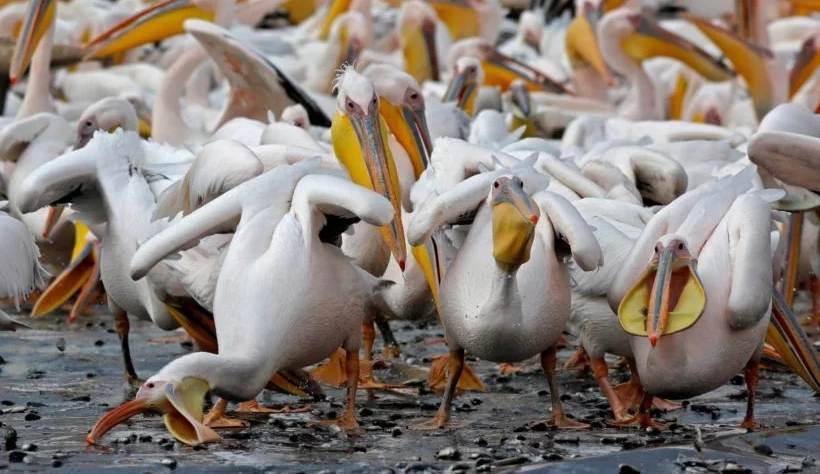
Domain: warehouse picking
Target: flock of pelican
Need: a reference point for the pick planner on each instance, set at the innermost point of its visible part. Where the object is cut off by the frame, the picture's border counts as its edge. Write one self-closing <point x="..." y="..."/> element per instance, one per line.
<point x="280" y="178"/>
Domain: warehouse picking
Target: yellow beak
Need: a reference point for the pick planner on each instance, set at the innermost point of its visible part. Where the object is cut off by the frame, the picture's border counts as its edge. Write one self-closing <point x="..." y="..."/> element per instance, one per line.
<point x="420" y="53"/>
<point x="336" y="8"/>
<point x="514" y="220"/>
<point x="582" y="47"/>
<point x="152" y="24"/>
<point x="459" y="17"/>
<point x="650" y="40"/>
<point x="360" y="144"/>
<point x="668" y="298"/>
<point x="181" y="406"/>
<point x="409" y="126"/>
<point x="791" y="342"/>
<point x="39" y="18"/>
<point x="462" y="90"/>
<point x="804" y="67"/>
<point x="501" y="70"/>
<point x="750" y="61"/>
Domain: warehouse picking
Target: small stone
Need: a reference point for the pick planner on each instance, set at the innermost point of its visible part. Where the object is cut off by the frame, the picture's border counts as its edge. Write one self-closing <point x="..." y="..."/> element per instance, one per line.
<point x="9" y="435"/>
<point x="763" y="449"/>
<point x="359" y="449"/>
<point x="461" y="467"/>
<point x="32" y="416"/>
<point x="481" y="442"/>
<point x="81" y="398"/>
<point x="633" y="442"/>
<point x="99" y="343"/>
<point x="395" y="432"/>
<point x="16" y="456"/>
<point x="169" y="463"/>
<point x="553" y="457"/>
<point x="737" y="380"/>
<point x="56" y="463"/>
<point x="627" y="469"/>
<point x="30" y="447"/>
<point x="449" y="454"/>
<point x="60" y="344"/>
<point x="145" y="438"/>
<point x="365" y="412"/>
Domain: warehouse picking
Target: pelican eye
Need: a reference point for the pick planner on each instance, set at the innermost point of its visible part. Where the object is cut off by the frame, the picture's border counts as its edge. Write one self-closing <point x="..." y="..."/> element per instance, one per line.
<point x="495" y="184"/>
<point x="414" y="95"/>
<point x="150" y="385"/>
<point x="680" y="245"/>
<point x="657" y="248"/>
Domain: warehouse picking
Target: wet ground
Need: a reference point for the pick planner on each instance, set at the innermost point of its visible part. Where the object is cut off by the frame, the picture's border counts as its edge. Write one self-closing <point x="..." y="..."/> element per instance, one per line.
<point x="56" y="380"/>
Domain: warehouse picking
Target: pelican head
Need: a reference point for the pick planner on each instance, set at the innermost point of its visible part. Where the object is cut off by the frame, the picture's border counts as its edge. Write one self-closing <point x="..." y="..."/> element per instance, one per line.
<point x="402" y="107"/>
<point x="806" y="63"/>
<point x="501" y="70"/>
<point x="750" y="60"/>
<point x="582" y="44"/>
<point x="296" y="115"/>
<point x="417" y="23"/>
<point x="515" y="215"/>
<point x="531" y="28"/>
<point x="352" y="32"/>
<point x="463" y="88"/>
<point x="154" y="23"/>
<point x="640" y="38"/>
<point x="108" y="114"/>
<point x="669" y="297"/>
<point x="39" y="17"/>
<point x="360" y="143"/>
<point x="178" y="400"/>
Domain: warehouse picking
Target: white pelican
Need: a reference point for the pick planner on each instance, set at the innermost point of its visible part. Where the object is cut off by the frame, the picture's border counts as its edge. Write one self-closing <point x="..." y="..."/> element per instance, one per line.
<point x="280" y="260"/>
<point x="20" y="269"/>
<point x="695" y="292"/>
<point x="627" y="38"/>
<point x="505" y="296"/>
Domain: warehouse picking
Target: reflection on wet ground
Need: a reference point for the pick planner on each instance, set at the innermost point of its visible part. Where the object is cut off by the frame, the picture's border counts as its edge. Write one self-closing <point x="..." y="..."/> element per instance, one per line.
<point x="56" y="380"/>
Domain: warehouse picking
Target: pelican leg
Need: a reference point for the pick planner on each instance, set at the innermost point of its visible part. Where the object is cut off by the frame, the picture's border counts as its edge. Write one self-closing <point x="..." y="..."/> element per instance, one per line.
<point x="507" y="369"/>
<point x="752" y="375"/>
<point x="814" y="289"/>
<point x="577" y="361"/>
<point x="366" y="379"/>
<point x="558" y="418"/>
<point x="347" y="421"/>
<point x="253" y="406"/>
<point x="632" y="392"/>
<point x="123" y="327"/>
<point x="391" y="346"/>
<point x="793" y="256"/>
<point x="641" y="418"/>
<point x="216" y="418"/>
<point x="601" y="371"/>
<point x="442" y="418"/>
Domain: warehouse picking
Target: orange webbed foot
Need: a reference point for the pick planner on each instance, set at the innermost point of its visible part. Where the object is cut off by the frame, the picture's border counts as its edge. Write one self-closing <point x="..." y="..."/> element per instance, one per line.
<point x="437" y="379"/>
<point x="332" y="372"/>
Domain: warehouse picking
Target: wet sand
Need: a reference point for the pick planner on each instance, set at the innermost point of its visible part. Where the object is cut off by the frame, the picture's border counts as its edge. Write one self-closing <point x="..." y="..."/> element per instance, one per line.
<point x="49" y="399"/>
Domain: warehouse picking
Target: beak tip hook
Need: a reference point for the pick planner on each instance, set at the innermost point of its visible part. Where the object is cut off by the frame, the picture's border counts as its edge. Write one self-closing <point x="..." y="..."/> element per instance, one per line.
<point x="653" y="339"/>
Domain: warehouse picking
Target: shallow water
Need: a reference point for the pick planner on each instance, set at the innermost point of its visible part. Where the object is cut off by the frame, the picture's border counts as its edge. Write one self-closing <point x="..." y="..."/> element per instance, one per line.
<point x="51" y="398"/>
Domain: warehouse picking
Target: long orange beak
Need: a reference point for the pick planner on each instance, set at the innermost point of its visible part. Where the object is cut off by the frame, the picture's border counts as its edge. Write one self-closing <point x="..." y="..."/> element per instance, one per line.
<point x="116" y="417"/>
<point x="658" y="312"/>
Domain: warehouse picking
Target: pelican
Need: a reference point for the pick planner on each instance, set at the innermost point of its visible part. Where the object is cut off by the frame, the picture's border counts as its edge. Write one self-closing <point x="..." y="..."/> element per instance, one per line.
<point x="627" y="38"/>
<point x="506" y="279"/>
<point x="695" y="294"/>
<point x="20" y="272"/>
<point x="319" y="298"/>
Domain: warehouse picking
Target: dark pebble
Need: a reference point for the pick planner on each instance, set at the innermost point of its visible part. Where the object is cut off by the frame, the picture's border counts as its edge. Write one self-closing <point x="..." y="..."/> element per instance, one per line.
<point x="553" y="457"/>
<point x="56" y="463"/>
<point x="32" y="416"/>
<point x="481" y="442"/>
<point x="60" y="344"/>
<point x="627" y="469"/>
<point x="396" y="416"/>
<point x="30" y="447"/>
<point x="633" y="442"/>
<point x="169" y="463"/>
<point x="145" y="438"/>
<point x="90" y="375"/>
<point x="81" y="398"/>
<point x="476" y="401"/>
<point x="359" y="449"/>
<point x="542" y="426"/>
<point x="16" y="456"/>
<point x="7" y="403"/>
<point x="764" y="450"/>
<point x="99" y="343"/>
<point x="429" y="405"/>
<point x="449" y="454"/>
<point x="737" y="380"/>
<point x="365" y="412"/>
<point x="395" y="432"/>
<point x="9" y="437"/>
